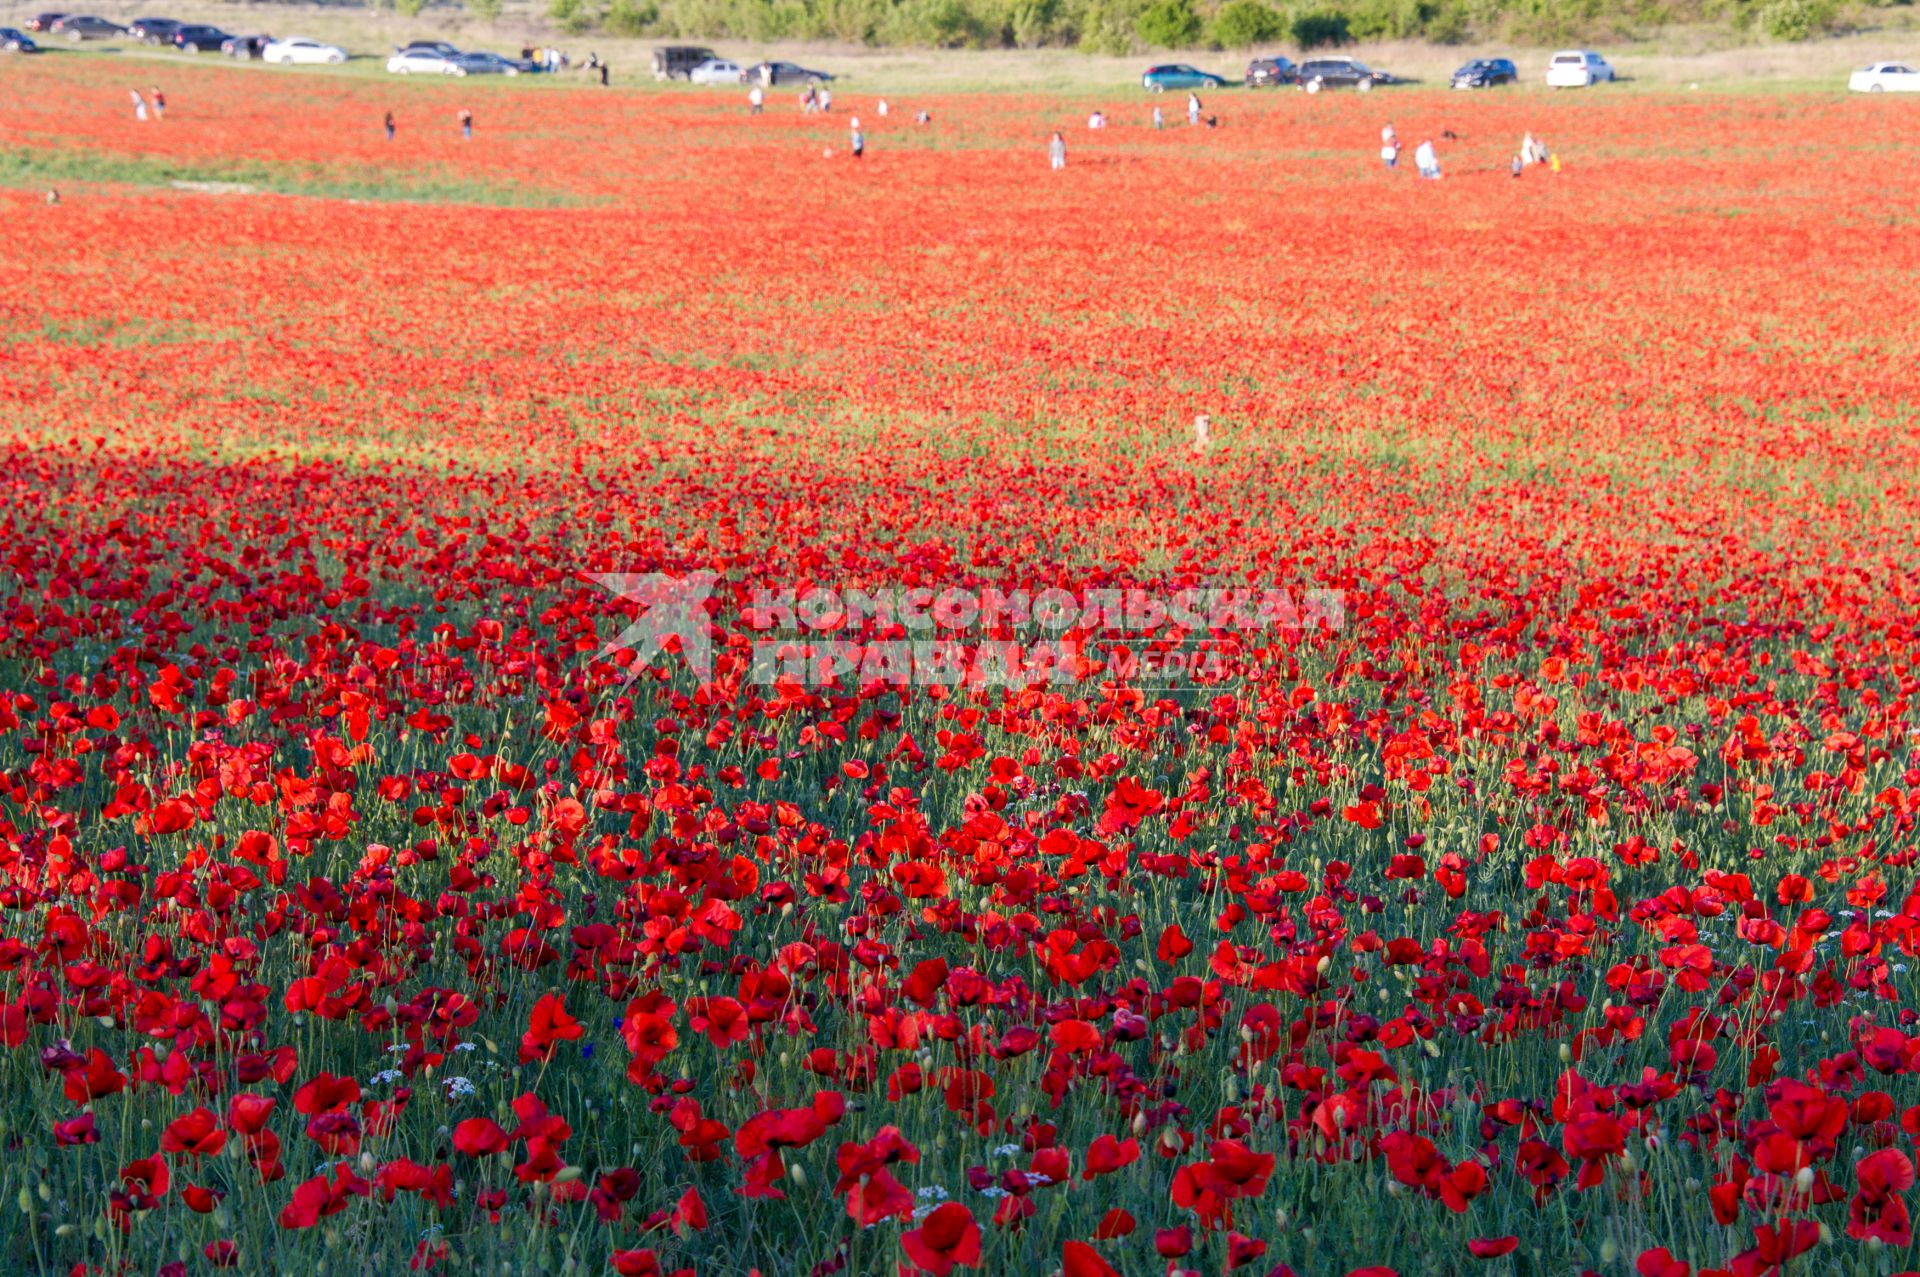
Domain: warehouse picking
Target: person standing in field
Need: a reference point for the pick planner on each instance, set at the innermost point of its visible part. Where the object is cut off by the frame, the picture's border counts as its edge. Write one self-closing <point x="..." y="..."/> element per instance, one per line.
<point x="1426" y="161"/>
<point x="1159" y="120"/>
<point x="389" y="124"/>
<point x="1057" y="152"/>
<point x="859" y="140"/>
<point x="466" y="124"/>
<point x="826" y="100"/>
<point x="881" y="109"/>
<point x="139" y="105"/>
<point x="756" y="101"/>
<point x="1390" y="151"/>
<point x="603" y="75"/>
<point x="1193" y="108"/>
<point x="809" y="101"/>
<point x="159" y="100"/>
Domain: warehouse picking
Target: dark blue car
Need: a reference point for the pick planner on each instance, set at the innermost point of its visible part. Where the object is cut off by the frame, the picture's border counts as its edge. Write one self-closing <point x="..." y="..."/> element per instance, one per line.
<point x="1484" y="73"/>
<point x="12" y="41"/>
<point x="1178" y="75"/>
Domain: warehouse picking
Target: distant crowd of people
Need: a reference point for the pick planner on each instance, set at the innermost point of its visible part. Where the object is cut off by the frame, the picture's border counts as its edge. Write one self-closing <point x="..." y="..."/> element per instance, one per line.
<point x="818" y="100"/>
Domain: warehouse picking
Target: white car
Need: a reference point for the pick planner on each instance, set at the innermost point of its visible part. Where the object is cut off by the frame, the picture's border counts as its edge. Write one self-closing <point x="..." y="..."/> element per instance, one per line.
<point x="1885" y="77"/>
<point x="423" y="62"/>
<point x="717" y="71"/>
<point x="302" y="52"/>
<point x="1576" y="69"/>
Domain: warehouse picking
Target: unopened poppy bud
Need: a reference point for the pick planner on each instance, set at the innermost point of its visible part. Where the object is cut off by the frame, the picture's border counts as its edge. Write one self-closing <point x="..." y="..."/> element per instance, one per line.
<point x="567" y="1175"/>
<point x="1826" y="1235"/>
<point x="366" y="1163"/>
<point x="1140" y="1123"/>
<point x="1608" y="1251"/>
<point x="1566" y="1054"/>
<point x="799" y="1175"/>
<point x="1803" y="1179"/>
<point x="1431" y="1047"/>
<point x="65" y="1230"/>
<point x="1320" y="967"/>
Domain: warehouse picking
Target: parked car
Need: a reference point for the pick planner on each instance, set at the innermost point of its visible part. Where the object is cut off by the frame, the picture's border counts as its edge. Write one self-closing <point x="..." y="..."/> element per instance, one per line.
<point x="13" y="40"/>
<point x="1484" y="73"/>
<point x="772" y="73"/>
<point x="198" y="39"/>
<point x="1577" y="69"/>
<point x="676" y="62"/>
<point x="423" y="62"/>
<point x="298" y="51"/>
<point x="717" y="71"/>
<point x="1275" y="71"/>
<point x="153" y="30"/>
<point x="485" y="64"/>
<point x="1339" y="73"/>
<point x="246" y="47"/>
<point x="1885" y="77"/>
<point x="1178" y="75"/>
<point x="43" y="22"/>
<point x="84" y="26"/>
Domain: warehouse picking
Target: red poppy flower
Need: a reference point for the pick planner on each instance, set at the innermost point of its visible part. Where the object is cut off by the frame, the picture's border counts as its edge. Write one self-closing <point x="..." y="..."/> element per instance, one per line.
<point x="948" y="1237"/>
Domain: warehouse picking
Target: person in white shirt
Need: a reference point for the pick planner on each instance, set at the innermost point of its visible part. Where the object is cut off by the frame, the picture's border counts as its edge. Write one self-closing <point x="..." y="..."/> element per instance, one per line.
<point x="757" y="100"/>
<point x="1057" y="151"/>
<point x="1426" y="161"/>
<point x="1096" y="121"/>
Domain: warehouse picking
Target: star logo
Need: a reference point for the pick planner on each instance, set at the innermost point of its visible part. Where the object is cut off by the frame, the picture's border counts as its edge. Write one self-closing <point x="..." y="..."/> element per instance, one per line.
<point x="670" y="608"/>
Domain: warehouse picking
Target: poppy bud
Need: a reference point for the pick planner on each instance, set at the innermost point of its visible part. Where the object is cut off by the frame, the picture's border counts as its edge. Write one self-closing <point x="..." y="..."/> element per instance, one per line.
<point x="1566" y="1054"/>
<point x="798" y="1174"/>
<point x="1608" y="1251"/>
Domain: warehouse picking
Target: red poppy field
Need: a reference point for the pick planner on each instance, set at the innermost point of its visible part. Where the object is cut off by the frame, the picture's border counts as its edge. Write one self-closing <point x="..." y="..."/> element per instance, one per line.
<point x="368" y="903"/>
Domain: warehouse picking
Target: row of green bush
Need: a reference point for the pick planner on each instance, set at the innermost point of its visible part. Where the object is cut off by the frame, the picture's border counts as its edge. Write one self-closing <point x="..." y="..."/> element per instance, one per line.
<point x="1134" y="26"/>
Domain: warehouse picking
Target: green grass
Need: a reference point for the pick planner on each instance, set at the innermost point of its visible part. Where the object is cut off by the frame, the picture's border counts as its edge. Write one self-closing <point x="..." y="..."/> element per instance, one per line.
<point x="30" y="167"/>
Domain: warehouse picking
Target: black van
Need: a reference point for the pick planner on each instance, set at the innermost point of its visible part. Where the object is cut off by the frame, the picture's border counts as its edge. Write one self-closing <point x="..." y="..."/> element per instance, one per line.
<point x="674" y="62"/>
